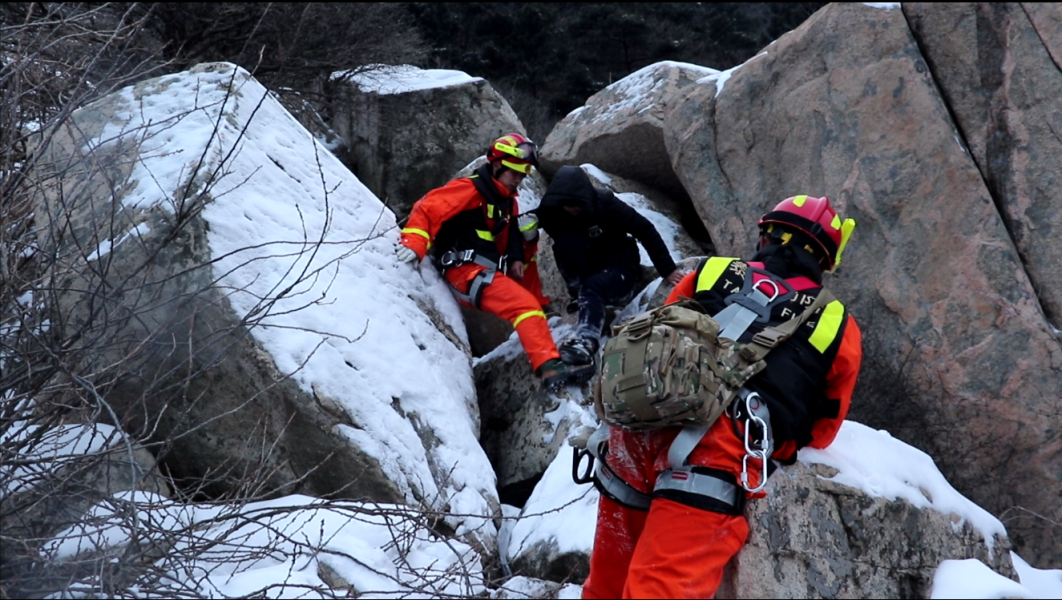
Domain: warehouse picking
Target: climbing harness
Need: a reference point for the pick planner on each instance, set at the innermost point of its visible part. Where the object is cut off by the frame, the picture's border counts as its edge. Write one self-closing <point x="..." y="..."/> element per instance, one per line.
<point x="482" y="279"/>
<point x="748" y="413"/>
<point x="612" y="486"/>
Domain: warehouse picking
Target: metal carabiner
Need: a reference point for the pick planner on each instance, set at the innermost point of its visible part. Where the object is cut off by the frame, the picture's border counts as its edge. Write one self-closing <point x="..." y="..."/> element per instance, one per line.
<point x="755" y="449"/>
<point x="586" y="475"/>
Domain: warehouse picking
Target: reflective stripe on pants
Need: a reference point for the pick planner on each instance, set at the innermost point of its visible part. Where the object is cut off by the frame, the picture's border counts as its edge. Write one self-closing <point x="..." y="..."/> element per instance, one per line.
<point x="510" y="300"/>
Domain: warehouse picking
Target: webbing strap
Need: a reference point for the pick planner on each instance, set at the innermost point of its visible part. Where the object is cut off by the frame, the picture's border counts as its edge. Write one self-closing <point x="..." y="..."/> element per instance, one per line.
<point x="735" y="319"/>
<point x="764" y="341"/>
<point x="683" y="479"/>
<point x="484" y="262"/>
<point x="475" y="288"/>
<point x="683" y="444"/>
<point x="615" y="488"/>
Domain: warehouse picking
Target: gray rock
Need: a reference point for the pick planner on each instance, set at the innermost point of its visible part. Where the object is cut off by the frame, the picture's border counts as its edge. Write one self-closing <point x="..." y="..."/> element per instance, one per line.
<point x="813" y="538"/>
<point x="189" y="372"/>
<point x="402" y="144"/>
<point x="516" y="433"/>
<point x="998" y="67"/>
<point x="620" y="128"/>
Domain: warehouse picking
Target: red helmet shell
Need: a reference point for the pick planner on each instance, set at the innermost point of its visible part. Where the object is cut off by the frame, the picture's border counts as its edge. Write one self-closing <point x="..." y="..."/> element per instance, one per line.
<point x="515" y="151"/>
<point x="815" y="217"/>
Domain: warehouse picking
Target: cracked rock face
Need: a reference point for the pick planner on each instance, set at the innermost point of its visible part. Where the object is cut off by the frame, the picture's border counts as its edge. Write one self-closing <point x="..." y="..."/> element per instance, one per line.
<point x="999" y="68"/>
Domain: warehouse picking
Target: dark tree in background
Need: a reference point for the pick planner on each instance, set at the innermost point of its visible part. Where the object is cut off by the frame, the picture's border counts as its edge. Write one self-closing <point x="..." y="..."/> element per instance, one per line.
<point x="548" y="58"/>
<point x="290" y="44"/>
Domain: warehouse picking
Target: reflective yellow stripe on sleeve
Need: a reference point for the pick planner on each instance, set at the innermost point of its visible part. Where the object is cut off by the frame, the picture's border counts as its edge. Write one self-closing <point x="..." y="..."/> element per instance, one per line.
<point x="711" y="272"/>
<point x="828" y="326"/>
<point x="530" y="313"/>
<point x="419" y="232"/>
<point x="486" y="235"/>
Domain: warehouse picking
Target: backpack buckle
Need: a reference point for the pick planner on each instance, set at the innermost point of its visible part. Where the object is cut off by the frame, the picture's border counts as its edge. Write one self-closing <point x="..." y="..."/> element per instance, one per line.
<point x="456" y="257"/>
<point x="768" y="337"/>
<point x="639" y="325"/>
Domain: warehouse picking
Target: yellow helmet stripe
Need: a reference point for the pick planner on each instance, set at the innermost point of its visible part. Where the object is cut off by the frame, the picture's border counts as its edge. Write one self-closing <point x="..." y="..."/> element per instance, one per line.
<point x="530" y="313"/>
<point x="524" y="168"/>
<point x="846" y="232"/>
<point x="828" y="326"/>
<point x="800" y="200"/>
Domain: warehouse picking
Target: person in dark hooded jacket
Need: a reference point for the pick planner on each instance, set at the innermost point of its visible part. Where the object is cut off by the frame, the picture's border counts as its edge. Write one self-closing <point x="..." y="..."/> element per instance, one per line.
<point x="595" y="243"/>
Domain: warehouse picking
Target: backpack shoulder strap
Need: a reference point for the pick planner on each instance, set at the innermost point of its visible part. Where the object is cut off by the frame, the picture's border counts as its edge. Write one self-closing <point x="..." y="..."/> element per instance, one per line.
<point x="764" y="341"/>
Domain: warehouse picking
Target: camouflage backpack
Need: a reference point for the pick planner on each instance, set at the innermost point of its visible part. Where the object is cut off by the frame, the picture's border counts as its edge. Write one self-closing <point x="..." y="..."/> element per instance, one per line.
<point x="668" y="366"/>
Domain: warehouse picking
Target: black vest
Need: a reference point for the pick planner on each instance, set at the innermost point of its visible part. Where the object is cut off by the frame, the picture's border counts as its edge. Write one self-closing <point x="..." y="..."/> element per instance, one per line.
<point x="794" y="381"/>
<point x="477" y="228"/>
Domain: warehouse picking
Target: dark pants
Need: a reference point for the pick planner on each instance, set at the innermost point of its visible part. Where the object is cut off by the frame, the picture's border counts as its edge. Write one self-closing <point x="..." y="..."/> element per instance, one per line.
<point x="604" y="288"/>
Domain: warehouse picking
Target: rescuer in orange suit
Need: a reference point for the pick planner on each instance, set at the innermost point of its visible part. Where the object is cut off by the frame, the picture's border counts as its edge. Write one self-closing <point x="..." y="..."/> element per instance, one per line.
<point x="486" y="250"/>
<point x="664" y="539"/>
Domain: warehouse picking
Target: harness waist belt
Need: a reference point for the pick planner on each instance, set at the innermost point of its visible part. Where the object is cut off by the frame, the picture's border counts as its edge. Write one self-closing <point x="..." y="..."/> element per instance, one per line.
<point x="683" y="479"/>
<point x="456" y="258"/>
<point x="613" y="487"/>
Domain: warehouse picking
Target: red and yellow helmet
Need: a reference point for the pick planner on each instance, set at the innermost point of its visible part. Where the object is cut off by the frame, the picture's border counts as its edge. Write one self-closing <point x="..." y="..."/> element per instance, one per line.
<point x="514" y="151"/>
<point x="816" y="218"/>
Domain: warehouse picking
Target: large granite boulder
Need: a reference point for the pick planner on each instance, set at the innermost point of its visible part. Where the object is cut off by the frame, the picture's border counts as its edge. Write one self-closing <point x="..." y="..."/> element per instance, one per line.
<point x="408" y="130"/>
<point x="999" y="67"/>
<point x="620" y="128"/>
<point x="960" y="359"/>
<point x="171" y="275"/>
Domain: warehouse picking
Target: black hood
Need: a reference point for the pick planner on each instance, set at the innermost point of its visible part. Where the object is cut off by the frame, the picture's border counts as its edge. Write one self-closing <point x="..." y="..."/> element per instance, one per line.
<point x="788" y="260"/>
<point x="571" y="187"/>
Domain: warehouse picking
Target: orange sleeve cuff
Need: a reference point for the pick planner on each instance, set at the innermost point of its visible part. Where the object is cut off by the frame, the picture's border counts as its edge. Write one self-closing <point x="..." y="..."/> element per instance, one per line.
<point x="684" y="288"/>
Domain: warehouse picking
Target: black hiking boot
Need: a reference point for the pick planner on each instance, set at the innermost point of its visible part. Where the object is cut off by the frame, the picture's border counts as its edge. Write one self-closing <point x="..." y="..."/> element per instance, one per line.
<point x="578" y="351"/>
<point x="556" y="373"/>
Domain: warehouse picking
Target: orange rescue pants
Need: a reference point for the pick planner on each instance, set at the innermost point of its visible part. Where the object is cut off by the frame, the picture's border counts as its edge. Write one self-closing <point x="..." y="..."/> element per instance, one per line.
<point x="671" y="550"/>
<point x="518" y="302"/>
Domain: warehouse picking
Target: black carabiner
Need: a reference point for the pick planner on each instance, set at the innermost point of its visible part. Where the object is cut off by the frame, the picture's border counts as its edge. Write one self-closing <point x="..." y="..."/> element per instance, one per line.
<point x="587" y="476"/>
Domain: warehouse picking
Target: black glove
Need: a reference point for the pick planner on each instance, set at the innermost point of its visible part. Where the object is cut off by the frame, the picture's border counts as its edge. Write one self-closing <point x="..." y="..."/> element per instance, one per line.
<point x="573" y="306"/>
